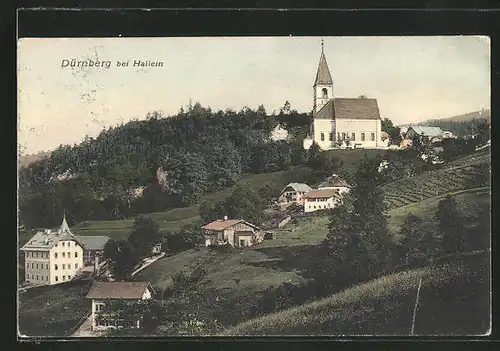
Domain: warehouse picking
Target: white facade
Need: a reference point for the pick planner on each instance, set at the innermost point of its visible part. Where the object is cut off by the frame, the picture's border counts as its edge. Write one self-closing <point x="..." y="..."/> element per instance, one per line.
<point x="52" y="257"/>
<point x="322" y="203"/>
<point x="98" y="306"/>
<point x="293" y="193"/>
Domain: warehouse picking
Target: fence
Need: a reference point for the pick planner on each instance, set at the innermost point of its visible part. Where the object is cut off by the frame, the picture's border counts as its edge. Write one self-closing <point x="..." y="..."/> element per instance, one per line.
<point x="77" y="326"/>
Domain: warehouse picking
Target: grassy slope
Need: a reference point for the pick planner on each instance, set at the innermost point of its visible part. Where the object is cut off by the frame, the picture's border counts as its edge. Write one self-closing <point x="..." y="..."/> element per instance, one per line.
<point x="52" y="310"/>
<point x="178" y="217"/>
<point x="454" y="176"/>
<point x="454" y="299"/>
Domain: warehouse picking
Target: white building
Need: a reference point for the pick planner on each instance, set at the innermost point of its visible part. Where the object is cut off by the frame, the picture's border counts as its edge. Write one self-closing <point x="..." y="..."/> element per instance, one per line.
<point x="293" y="193"/>
<point x="342" y="122"/>
<point x="52" y="257"/>
<point x="334" y="182"/>
<point x="321" y="200"/>
<point x="236" y="232"/>
<point x="101" y="292"/>
<point x="279" y="133"/>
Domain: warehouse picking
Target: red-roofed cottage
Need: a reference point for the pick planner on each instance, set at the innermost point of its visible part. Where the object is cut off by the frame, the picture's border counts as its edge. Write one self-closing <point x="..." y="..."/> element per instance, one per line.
<point x="236" y="232"/>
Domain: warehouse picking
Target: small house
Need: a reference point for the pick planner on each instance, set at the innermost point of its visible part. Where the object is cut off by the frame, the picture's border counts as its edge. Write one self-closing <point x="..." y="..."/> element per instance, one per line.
<point x="93" y="247"/>
<point x="293" y="193"/>
<point x="102" y="292"/>
<point x="321" y="199"/>
<point x="155" y="250"/>
<point x="334" y="182"/>
<point x="236" y="232"/>
<point x="428" y="132"/>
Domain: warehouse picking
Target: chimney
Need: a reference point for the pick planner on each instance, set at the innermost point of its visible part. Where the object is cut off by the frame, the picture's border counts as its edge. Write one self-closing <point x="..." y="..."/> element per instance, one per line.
<point x="225" y="218"/>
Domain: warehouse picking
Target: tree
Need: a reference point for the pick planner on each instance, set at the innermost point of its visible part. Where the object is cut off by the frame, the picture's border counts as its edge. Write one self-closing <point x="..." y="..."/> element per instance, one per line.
<point x="122" y="258"/>
<point x="450" y="226"/>
<point x="393" y="131"/>
<point x="145" y="234"/>
<point x="411" y="235"/>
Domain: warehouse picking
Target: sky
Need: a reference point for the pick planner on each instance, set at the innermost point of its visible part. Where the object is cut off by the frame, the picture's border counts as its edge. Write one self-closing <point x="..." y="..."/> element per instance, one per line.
<point x="413" y="78"/>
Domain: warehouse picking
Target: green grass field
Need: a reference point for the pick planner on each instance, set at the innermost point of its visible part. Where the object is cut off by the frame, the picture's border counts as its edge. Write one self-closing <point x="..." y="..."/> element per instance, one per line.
<point x="454" y="299"/>
<point x="454" y="176"/>
<point x="469" y="202"/>
<point x="53" y="310"/>
<point x="176" y="218"/>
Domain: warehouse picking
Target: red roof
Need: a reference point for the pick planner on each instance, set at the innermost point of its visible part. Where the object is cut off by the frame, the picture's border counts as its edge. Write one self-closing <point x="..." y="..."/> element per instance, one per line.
<point x="117" y="290"/>
<point x="221" y="224"/>
<point x="315" y="194"/>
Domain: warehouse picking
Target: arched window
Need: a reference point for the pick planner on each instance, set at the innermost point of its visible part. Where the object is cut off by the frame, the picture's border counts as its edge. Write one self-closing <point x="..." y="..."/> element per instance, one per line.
<point x="325" y="92"/>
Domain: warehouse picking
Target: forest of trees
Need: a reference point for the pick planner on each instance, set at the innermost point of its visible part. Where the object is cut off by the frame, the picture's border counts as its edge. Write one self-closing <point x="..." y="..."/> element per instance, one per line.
<point x="200" y="151"/>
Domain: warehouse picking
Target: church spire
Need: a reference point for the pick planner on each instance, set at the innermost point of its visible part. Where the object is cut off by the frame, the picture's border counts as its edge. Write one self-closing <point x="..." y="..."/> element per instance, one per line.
<point x="323" y="75"/>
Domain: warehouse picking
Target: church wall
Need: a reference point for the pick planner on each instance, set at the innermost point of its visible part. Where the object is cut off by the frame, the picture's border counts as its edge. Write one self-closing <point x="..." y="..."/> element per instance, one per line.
<point x="325" y="126"/>
<point x="318" y="95"/>
<point x="359" y="126"/>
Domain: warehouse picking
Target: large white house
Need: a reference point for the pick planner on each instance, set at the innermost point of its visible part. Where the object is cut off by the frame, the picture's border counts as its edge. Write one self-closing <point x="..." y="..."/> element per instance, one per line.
<point x="342" y="122"/>
<point x="52" y="257"/>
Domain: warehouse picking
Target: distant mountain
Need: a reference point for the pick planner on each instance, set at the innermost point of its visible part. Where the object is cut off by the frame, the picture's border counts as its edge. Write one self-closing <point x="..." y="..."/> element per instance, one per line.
<point x="25" y="160"/>
<point x="486" y="114"/>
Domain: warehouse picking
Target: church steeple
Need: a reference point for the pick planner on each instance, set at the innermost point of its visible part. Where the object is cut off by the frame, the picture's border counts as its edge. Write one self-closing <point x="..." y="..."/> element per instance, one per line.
<point x="323" y="76"/>
<point x="323" y="85"/>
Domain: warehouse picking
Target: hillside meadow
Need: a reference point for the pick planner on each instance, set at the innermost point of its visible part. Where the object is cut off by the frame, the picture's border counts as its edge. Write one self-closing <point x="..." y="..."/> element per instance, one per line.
<point x="454" y="300"/>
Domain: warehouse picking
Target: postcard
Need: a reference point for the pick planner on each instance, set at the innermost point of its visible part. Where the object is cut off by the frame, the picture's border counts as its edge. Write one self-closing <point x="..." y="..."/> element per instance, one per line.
<point x="254" y="186"/>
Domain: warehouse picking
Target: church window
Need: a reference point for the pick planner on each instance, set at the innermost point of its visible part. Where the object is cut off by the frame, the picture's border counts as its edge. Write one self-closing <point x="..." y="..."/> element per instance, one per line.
<point x="362" y="136"/>
<point x="331" y="136"/>
<point x="373" y="136"/>
<point x="322" y="136"/>
<point x="325" y="93"/>
<point x="353" y="136"/>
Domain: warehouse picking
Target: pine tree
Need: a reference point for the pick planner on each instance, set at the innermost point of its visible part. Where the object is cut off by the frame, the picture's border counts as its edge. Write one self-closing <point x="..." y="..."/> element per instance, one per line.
<point x="450" y="226"/>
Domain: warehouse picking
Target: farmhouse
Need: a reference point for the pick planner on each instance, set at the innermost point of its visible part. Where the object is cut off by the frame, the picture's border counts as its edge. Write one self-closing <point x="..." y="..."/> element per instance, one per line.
<point x="293" y="193"/>
<point x="236" y="232"/>
<point x="103" y="317"/>
<point x="321" y="199"/>
<point x="93" y="248"/>
<point x="432" y="133"/>
<point x="342" y="122"/>
<point x="52" y="257"/>
<point x="334" y="182"/>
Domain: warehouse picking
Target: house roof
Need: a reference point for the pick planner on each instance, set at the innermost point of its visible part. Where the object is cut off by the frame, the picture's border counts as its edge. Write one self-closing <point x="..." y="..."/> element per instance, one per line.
<point x="427" y="131"/>
<point x="117" y="290"/>
<point x="302" y="187"/>
<point x="222" y="224"/>
<point x="323" y="193"/>
<point x="349" y="108"/>
<point x="334" y="181"/>
<point x="46" y="239"/>
<point x="91" y="242"/>
<point x="323" y="74"/>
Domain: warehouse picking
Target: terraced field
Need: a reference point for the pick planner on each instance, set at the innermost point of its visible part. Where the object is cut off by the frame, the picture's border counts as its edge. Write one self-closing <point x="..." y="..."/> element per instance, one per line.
<point x="454" y="176"/>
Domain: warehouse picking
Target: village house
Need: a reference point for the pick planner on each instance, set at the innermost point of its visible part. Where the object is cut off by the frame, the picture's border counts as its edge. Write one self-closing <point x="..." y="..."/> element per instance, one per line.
<point x="236" y="232"/>
<point x="321" y="199"/>
<point x="101" y="293"/>
<point x="293" y="193"/>
<point x="334" y="182"/>
<point x="342" y="122"/>
<point x="93" y="248"/>
<point x="432" y="133"/>
<point x="52" y="257"/>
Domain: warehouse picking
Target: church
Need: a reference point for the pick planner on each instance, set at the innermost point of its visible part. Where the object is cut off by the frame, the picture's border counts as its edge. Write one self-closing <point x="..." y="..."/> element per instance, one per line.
<point x="342" y="122"/>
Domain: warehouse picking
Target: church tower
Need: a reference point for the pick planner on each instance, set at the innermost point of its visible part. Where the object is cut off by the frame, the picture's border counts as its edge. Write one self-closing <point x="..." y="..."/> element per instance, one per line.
<point x="323" y="85"/>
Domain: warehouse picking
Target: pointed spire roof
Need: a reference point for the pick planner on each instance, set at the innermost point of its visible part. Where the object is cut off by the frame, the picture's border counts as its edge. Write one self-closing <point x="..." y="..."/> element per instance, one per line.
<point x="64" y="226"/>
<point x="323" y="75"/>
